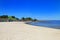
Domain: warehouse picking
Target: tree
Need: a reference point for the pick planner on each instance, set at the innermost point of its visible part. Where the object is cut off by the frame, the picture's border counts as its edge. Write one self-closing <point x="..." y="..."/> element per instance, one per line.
<point x="13" y="16"/>
<point x="4" y="16"/>
<point x="35" y="20"/>
<point x="17" y="19"/>
<point x="29" y="19"/>
<point x="23" y="19"/>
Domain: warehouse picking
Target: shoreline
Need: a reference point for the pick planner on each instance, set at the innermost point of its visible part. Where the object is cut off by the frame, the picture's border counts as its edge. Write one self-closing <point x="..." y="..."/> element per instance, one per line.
<point x="22" y="31"/>
<point x="53" y="27"/>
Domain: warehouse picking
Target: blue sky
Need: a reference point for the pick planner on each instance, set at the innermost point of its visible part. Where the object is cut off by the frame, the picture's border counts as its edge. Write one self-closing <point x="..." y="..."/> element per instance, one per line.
<point x="40" y="9"/>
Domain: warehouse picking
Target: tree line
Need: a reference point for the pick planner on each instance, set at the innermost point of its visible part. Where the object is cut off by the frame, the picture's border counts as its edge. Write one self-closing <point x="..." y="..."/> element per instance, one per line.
<point x="13" y="18"/>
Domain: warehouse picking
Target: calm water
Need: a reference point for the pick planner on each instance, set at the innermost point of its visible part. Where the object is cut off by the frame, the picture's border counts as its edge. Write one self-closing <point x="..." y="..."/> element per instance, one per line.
<point x="50" y="23"/>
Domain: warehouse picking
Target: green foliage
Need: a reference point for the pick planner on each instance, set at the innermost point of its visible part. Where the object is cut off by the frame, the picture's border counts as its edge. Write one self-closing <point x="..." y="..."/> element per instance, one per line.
<point x="4" y="16"/>
<point x="23" y="19"/>
<point x="17" y="19"/>
<point x="13" y="18"/>
<point x="26" y="19"/>
<point x="35" y="20"/>
<point x="29" y="19"/>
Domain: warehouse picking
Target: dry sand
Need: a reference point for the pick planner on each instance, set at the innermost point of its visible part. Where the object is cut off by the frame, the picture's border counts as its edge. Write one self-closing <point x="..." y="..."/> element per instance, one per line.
<point x="22" y="31"/>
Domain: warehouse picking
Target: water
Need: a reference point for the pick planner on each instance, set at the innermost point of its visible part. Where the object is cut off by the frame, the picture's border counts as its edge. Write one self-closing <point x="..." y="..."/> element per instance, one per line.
<point x="49" y="23"/>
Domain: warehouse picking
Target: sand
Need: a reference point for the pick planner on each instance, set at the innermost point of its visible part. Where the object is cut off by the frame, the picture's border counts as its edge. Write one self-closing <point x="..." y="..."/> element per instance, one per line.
<point x="22" y="31"/>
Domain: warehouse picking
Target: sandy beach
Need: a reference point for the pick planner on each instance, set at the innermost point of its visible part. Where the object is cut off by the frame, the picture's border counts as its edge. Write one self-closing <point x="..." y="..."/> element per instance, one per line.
<point x="22" y="31"/>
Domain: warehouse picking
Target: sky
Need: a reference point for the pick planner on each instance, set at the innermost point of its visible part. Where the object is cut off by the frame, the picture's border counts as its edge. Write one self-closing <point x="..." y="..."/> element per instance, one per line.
<point x="39" y="9"/>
